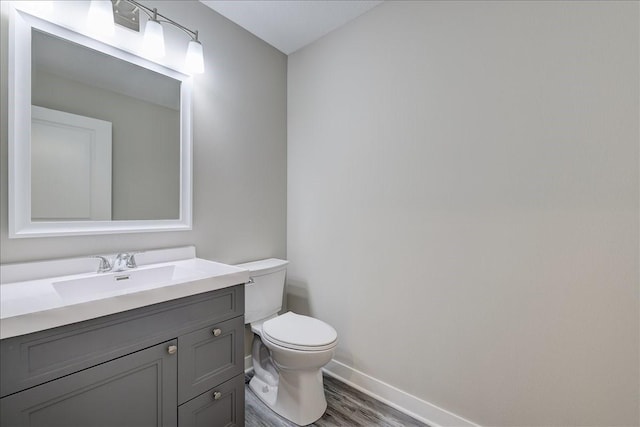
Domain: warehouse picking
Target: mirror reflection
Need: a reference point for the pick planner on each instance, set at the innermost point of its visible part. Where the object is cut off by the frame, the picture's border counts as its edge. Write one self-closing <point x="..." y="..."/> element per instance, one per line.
<point x="105" y="136"/>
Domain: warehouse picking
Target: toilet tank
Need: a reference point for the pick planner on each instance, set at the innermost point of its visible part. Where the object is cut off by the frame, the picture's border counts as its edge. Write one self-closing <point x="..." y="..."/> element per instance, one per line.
<point x="263" y="297"/>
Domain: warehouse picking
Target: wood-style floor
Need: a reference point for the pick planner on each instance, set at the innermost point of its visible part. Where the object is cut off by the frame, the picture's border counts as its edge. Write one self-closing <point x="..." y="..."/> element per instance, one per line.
<point x="346" y="407"/>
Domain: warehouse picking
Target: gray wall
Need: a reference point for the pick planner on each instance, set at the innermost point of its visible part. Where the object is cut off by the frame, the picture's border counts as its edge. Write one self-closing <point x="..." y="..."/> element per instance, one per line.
<point x="239" y="168"/>
<point x="463" y="204"/>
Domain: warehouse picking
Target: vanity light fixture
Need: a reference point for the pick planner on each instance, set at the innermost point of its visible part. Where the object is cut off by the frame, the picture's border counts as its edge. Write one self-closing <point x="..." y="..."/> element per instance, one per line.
<point x="101" y="17"/>
<point x="43" y="6"/>
<point x="153" y="39"/>
<point x="195" y="59"/>
<point x="153" y="42"/>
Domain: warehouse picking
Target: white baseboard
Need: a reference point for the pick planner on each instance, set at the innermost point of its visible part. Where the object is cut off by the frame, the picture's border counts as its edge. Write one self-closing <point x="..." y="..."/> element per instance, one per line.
<point x="248" y="365"/>
<point x="411" y="405"/>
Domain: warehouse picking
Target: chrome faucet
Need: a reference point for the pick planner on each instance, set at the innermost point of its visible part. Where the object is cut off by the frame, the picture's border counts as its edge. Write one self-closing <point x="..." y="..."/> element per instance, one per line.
<point x="104" y="265"/>
<point x="122" y="261"/>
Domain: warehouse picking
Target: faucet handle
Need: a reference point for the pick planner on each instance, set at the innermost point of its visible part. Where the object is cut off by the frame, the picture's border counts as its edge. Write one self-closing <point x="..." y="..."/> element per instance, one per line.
<point x="131" y="259"/>
<point x="104" y="265"/>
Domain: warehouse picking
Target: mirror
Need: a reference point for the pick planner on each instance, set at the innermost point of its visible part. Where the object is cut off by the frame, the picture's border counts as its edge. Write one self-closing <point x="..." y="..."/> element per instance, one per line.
<point x="106" y="147"/>
<point x="140" y="168"/>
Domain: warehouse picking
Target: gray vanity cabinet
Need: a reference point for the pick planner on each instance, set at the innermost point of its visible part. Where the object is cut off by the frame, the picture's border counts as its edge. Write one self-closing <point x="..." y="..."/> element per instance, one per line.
<point x="136" y="390"/>
<point x="175" y="363"/>
<point x="216" y="409"/>
<point x="210" y="356"/>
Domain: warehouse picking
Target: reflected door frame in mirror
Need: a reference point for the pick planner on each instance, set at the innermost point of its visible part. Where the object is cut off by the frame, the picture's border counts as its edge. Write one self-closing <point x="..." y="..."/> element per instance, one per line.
<point x="19" y="150"/>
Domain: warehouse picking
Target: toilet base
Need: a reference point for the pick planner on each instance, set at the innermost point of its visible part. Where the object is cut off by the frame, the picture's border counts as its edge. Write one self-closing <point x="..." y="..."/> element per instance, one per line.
<point x="264" y="391"/>
<point x="298" y="397"/>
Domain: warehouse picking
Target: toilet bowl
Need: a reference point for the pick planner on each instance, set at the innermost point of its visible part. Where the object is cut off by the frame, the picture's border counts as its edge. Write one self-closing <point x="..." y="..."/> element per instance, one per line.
<point x="288" y="351"/>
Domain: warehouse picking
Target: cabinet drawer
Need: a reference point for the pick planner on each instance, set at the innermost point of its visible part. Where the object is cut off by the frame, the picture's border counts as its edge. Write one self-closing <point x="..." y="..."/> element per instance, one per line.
<point x="207" y="411"/>
<point x="33" y="359"/>
<point x="209" y="356"/>
<point x="135" y="390"/>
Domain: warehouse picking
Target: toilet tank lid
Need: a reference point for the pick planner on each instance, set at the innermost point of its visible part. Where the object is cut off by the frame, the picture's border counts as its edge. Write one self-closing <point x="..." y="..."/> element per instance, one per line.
<point x="264" y="266"/>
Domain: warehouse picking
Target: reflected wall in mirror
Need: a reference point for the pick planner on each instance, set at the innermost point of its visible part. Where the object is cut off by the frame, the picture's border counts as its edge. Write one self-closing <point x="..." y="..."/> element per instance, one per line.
<point x="107" y="146"/>
<point x="143" y="108"/>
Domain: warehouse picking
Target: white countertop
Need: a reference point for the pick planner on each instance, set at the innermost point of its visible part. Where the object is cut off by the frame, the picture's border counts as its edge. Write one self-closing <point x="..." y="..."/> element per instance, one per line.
<point x="28" y="306"/>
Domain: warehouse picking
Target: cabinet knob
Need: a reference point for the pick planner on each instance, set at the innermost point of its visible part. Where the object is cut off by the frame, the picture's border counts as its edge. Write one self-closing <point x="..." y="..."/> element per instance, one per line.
<point x="172" y="349"/>
<point x="216" y="332"/>
<point x="217" y="395"/>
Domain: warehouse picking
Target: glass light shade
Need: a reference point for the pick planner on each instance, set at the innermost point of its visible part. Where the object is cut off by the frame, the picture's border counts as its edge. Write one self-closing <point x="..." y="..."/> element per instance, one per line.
<point x="43" y="6"/>
<point x="195" y="58"/>
<point x="153" y="42"/>
<point x="100" y="17"/>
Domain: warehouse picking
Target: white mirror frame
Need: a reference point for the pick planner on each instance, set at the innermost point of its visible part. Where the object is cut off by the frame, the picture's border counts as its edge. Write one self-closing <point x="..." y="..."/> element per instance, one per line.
<point x="19" y="127"/>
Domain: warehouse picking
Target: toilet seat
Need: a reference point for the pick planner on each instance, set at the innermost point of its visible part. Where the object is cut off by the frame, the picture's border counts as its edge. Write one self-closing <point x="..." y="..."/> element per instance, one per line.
<point x="298" y="332"/>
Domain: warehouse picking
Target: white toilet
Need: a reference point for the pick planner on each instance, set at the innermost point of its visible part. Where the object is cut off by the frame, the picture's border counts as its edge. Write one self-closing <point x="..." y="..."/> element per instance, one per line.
<point x="289" y="350"/>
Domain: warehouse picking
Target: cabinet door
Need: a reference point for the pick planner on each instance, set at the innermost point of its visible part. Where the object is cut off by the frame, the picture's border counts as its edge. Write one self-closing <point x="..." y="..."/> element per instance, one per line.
<point x="223" y="406"/>
<point x="135" y="390"/>
<point x="209" y="356"/>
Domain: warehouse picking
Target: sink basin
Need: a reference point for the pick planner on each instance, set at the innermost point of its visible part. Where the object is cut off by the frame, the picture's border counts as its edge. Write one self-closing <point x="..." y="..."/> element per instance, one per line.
<point x="46" y="294"/>
<point x="110" y="283"/>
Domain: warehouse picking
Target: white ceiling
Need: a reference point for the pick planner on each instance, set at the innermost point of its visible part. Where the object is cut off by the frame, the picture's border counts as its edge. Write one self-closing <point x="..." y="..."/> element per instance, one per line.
<point x="290" y="24"/>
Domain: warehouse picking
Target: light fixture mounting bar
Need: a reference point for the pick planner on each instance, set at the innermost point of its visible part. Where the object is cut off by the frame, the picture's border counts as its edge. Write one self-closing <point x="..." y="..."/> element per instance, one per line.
<point x="154" y="14"/>
<point x="126" y="14"/>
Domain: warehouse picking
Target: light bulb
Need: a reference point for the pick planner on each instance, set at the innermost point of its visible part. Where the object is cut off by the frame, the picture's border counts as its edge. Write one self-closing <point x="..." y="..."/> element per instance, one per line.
<point x="153" y="42"/>
<point x="100" y="17"/>
<point x="195" y="59"/>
